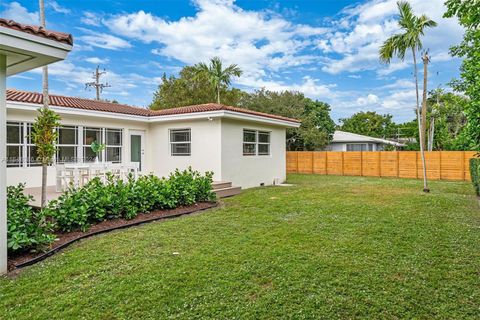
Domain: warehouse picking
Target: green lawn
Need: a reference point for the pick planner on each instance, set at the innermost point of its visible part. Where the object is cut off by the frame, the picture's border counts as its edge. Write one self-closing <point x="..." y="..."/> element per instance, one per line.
<point x="328" y="247"/>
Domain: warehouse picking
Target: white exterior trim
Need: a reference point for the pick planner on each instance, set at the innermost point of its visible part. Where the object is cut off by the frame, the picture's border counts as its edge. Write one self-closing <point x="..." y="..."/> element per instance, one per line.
<point x="156" y="119"/>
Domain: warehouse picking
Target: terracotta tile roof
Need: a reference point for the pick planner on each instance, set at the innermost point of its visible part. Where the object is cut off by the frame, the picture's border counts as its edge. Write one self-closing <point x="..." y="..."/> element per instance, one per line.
<point x="218" y="107"/>
<point x="94" y="105"/>
<point x="77" y="103"/>
<point x="37" y="31"/>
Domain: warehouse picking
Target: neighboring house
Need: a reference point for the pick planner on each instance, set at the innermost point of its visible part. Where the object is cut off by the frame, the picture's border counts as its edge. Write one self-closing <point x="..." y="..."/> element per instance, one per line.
<point x="241" y="146"/>
<point x="347" y="141"/>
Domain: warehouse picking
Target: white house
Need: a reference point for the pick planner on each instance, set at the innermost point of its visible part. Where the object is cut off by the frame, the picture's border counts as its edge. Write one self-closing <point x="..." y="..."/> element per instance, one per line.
<point x="240" y="146"/>
<point x="22" y="48"/>
<point x="347" y="141"/>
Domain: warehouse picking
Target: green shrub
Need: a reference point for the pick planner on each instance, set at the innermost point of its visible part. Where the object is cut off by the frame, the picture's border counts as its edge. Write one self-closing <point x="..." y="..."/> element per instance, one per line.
<point x="475" y="173"/>
<point x="27" y="228"/>
<point x="98" y="201"/>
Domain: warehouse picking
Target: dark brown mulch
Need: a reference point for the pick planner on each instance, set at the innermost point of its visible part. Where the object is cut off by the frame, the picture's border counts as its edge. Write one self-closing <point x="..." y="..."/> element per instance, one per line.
<point x="65" y="239"/>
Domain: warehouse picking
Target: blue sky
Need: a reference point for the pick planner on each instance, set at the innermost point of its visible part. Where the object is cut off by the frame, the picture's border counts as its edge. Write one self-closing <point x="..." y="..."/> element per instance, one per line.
<point x="327" y="49"/>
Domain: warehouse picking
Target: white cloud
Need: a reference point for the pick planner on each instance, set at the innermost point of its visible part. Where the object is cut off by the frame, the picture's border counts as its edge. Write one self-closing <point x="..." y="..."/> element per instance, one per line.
<point x="91" y="19"/>
<point x="15" y="11"/>
<point x="103" y="40"/>
<point x="96" y="60"/>
<point x="371" y="99"/>
<point x="363" y="28"/>
<point x="57" y="7"/>
<point x="259" y="42"/>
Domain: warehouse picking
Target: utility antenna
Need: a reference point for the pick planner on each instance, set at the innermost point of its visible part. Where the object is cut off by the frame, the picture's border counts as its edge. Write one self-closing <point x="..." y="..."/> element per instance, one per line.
<point x="96" y="84"/>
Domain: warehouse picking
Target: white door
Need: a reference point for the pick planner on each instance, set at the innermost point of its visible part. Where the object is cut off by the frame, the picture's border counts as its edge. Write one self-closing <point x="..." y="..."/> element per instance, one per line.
<point x="137" y="148"/>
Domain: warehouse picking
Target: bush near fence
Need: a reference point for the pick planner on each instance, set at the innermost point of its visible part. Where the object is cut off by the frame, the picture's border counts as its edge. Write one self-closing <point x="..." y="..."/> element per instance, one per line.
<point x="441" y="165"/>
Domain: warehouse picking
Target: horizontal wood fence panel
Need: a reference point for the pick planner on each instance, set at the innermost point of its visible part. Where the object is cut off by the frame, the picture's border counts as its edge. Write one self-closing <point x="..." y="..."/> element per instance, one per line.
<point x="441" y="165"/>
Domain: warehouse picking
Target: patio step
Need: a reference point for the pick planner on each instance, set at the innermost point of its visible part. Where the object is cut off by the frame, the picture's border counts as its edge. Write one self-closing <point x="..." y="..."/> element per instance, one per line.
<point x="225" y="189"/>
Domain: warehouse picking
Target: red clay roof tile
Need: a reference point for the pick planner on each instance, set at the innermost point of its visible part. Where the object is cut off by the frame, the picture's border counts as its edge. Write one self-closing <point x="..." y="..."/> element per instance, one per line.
<point x="103" y="106"/>
<point x="37" y="31"/>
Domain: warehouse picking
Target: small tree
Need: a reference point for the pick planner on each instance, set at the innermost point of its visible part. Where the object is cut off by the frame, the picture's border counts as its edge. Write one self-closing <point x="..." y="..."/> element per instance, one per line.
<point x="44" y="136"/>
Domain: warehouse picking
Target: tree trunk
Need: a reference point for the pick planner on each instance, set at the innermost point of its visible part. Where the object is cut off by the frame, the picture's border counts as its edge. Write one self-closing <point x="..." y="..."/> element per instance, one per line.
<point x="424" y="100"/>
<point x="45" y="105"/>
<point x="218" y="94"/>
<point x="420" y="130"/>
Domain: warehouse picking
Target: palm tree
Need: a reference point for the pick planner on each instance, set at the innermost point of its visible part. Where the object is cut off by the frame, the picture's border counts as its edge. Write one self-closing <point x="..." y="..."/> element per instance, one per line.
<point x="216" y="75"/>
<point x="413" y="28"/>
<point x="45" y="106"/>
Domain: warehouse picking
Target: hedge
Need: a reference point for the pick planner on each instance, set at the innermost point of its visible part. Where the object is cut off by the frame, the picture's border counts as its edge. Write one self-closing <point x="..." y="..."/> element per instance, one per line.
<point x="78" y="209"/>
<point x="475" y="173"/>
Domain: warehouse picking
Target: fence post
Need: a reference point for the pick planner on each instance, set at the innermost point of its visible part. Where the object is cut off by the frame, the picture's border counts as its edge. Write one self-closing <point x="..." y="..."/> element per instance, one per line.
<point x="361" y="163"/>
<point x="379" y="163"/>
<point x="464" y="175"/>
<point x="326" y="163"/>
<point x="416" y="163"/>
<point x="440" y="165"/>
<point x="343" y="163"/>
<point x="296" y="152"/>
<point x="398" y="164"/>
<point x="313" y="160"/>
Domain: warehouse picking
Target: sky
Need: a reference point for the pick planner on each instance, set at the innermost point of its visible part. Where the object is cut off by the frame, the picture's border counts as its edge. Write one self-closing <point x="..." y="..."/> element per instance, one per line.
<point x="326" y="49"/>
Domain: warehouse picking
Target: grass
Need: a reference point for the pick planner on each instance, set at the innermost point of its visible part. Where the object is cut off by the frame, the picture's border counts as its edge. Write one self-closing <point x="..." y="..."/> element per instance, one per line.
<point x="328" y="247"/>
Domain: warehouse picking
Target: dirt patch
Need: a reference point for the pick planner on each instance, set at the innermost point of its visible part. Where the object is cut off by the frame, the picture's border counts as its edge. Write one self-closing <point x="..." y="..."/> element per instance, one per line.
<point x="65" y="239"/>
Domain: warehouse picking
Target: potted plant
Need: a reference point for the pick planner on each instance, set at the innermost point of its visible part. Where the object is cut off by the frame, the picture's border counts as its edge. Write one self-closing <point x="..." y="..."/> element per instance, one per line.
<point x="97" y="147"/>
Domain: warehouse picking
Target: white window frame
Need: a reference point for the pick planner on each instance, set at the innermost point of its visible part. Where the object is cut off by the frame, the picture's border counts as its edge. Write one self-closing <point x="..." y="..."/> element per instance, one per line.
<point x="366" y="144"/>
<point x="76" y="146"/>
<point x="120" y="146"/>
<point x="256" y="143"/>
<point x="20" y="145"/>
<point x="172" y="143"/>
<point x="26" y="143"/>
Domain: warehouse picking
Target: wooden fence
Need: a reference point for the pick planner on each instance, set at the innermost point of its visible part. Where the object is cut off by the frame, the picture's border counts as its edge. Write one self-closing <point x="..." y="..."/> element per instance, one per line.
<point x="444" y="165"/>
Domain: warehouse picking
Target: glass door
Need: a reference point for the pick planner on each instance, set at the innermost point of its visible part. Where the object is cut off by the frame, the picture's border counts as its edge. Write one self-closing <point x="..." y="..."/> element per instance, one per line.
<point x="137" y="152"/>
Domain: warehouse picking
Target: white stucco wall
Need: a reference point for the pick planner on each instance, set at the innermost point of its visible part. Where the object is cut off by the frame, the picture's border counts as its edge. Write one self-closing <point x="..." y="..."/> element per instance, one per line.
<point x="217" y="145"/>
<point x="205" y="147"/>
<point x="251" y="171"/>
<point x="32" y="175"/>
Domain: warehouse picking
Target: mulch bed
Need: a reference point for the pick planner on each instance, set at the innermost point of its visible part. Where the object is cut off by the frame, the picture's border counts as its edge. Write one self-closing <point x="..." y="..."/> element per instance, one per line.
<point x="65" y="239"/>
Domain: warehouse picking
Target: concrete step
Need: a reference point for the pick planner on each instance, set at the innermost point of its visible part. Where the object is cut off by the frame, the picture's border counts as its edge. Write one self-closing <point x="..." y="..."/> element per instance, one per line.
<point x="227" y="192"/>
<point x="221" y="185"/>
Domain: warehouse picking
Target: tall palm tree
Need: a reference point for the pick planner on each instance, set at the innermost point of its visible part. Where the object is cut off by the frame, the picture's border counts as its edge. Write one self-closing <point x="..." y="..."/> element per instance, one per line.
<point x="45" y="105"/>
<point x="413" y="27"/>
<point x="218" y="76"/>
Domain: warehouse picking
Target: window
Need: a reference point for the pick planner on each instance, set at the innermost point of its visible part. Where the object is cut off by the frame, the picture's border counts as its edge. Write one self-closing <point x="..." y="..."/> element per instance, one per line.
<point x="113" y="142"/>
<point x="15" y="140"/>
<point x="359" y="147"/>
<point x="67" y="146"/>
<point x="72" y="142"/>
<point x="32" y="157"/>
<point x="180" y="142"/>
<point x="89" y="136"/>
<point x="256" y="143"/>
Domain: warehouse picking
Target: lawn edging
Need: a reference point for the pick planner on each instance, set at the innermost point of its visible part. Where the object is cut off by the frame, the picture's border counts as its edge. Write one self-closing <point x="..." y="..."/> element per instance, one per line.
<point x="176" y="213"/>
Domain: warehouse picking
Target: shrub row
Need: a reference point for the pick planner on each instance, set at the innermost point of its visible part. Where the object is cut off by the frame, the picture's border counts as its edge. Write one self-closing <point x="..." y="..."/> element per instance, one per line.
<point x="98" y="201"/>
<point x="475" y="173"/>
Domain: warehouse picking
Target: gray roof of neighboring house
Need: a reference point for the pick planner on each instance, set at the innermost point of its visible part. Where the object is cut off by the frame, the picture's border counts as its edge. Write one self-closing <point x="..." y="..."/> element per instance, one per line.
<point x="343" y="137"/>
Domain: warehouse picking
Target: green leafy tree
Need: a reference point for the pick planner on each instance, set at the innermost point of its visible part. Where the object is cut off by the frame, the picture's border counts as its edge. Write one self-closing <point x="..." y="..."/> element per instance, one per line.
<point x="413" y="28"/>
<point x="216" y="75"/>
<point x="370" y="123"/>
<point x="316" y="130"/>
<point x="190" y="88"/>
<point x="447" y="120"/>
<point x="468" y="14"/>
